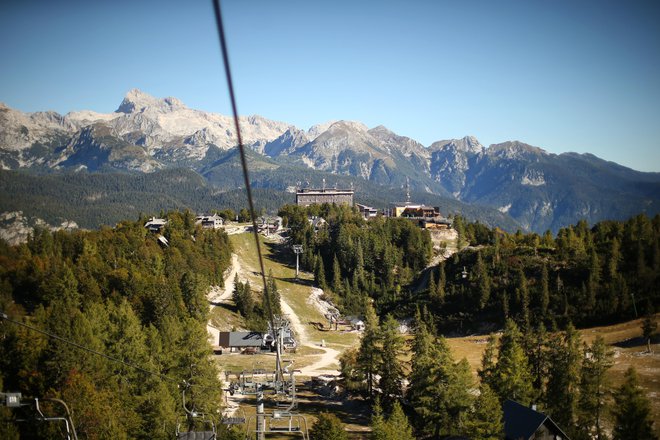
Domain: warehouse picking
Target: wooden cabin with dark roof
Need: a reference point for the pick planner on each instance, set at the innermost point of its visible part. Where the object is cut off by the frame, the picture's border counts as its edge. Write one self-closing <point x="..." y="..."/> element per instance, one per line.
<point x="524" y="423"/>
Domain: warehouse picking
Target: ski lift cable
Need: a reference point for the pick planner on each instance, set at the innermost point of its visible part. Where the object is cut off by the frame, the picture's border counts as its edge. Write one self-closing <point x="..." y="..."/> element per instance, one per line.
<point x="241" y="149"/>
<point x="4" y="316"/>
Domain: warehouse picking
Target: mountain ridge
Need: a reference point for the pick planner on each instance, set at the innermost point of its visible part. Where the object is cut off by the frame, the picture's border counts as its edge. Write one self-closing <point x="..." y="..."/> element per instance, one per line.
<point x="541" y="190"/>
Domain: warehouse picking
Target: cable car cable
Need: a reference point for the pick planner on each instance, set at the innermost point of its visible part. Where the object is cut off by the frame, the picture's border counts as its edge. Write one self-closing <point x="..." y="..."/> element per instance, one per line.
<point x="241" y="149"/>
<point x="5" y="317"/>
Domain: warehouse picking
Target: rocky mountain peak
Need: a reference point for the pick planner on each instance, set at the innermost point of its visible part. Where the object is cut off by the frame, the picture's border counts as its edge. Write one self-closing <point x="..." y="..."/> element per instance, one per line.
<point x="137" y="101"/>
<point x="348" y="126"/>
<point x="382" y="131"/>
<point x="515" y="149"/>
<point x="315" y="130"/>
<point x="288" y="142"/>
<point x="467" y="144"/>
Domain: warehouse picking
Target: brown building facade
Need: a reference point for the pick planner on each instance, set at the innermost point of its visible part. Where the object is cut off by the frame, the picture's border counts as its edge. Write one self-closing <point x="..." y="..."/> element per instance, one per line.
<point x="306" y="197"/>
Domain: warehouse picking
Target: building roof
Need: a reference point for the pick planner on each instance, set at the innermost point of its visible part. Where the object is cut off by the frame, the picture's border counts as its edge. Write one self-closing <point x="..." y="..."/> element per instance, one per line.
<point x="209" y="217"/>
<point x="328" y="191"/>
<point x="155" y="222"/>
<point x="241" y="339"/>
<point x="521" y="422"/>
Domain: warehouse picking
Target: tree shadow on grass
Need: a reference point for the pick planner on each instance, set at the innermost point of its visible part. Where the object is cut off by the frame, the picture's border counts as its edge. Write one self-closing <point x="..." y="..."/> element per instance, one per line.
<point x="229" y="307"/>
<point x="281" y="253"/>
<point x="636" y="342"/>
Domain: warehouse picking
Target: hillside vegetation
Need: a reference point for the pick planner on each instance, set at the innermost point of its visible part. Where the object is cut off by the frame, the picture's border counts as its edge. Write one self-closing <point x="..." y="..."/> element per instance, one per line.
<point x="121" y="293"/>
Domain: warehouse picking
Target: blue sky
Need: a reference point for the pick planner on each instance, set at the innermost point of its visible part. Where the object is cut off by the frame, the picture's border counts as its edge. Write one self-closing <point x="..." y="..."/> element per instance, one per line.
<point x="562" y="75"/>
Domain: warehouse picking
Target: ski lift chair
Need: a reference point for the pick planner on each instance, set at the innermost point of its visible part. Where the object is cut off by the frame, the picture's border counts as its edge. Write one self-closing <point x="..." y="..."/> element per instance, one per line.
<point x="194" y="425"/>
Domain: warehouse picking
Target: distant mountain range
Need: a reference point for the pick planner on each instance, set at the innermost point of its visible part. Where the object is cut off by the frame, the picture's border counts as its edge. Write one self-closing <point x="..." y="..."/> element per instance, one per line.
<point x="539" y="190"/>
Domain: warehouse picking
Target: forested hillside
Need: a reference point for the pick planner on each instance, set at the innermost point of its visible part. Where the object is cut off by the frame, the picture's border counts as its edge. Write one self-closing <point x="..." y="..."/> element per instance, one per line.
<point x="95" y="199"/>
<point x="587" y="276"/>
<point x="120" y="292"/>
<point x="355" y="258"/>
<point x="533" y="287"/>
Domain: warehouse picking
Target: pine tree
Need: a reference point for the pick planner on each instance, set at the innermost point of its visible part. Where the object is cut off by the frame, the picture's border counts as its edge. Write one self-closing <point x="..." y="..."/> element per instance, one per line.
<point x="564" y="379"/>
<point x="397" y="426"/>
<point x="593" y="281"/>
<point x="247" y="301"/>
<point x="337" y="282"/>
<point x="459" y="226"/>
<point x="483" y="282"/>
<point x="460" y="398"/>
<point x="193" y="292"/>
<point x="489" y="363"/>
<point x="442" y="284"/>
<point x="632" y="412"/>
<point x="512" y="378"/>
<point x="593" y="389"/>
<point x="422" y="362"/>
<point x="391" y="369"/>
<point x="319" y="273"/>
<point x="237" y="294"/>
<point x="378" y="422"/>
<point x="369" y="354"/>
<point x="544" y="299"/>
<point x="485" y="419"/>
<point x="273" y="296"/>
<point x="432" y="285"/>
<point x="359" y="265"/>
<point x="615" y="259"/>
<point x="538" y="356"/>
<point x="446" y="398"/>
<point x="327" y="427"/>
<point x="522" y="296"/>
<point x="649" y="326"/>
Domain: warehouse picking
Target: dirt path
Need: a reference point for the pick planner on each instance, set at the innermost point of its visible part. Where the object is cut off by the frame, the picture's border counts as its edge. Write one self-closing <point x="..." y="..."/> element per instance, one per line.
<point x="328" y="358"/>
<point x="217" y="295"/>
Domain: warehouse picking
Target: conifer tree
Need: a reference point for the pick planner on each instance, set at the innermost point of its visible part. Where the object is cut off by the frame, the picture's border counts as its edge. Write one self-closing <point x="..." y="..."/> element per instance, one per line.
<point x="593" y="389"/>
<point x="237" y="294"/>
<point x="193" y="292"/>
<point x="615" y="259"/>
<point x="564" y="378"/>
<point x="327" y="427"/>
<point x="390" y="368"/>
<point x="459" y="396"/>
<point x="489" y="363"/>
<point x="337" y="282"/>
<point x="247" y="301"/>
<point x="538" y="356"/>
<point x="273" y="295"/>
<point x="369" y="354"/>
<point x="397" y="426"/>
<point x="544" y="299"/>
<point x="443" y="398"/>
<point x="632" y="412"/>
<point x="359" y="264"/>
<point x="483" y="281"/>
<point x="512" y="378"/>
<point x="484" y="421"/>
<point x="432" y="284"/>
<point x="378" y="422"/>
<point x="421" y="382"/>
<point x="522" y="296"/>
<point x="442" y="283"/>
<point x="649" y="326"/>
<point x="319" y="273"/>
